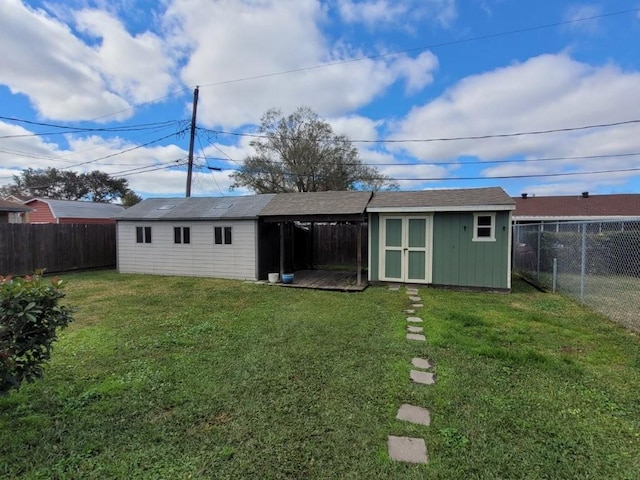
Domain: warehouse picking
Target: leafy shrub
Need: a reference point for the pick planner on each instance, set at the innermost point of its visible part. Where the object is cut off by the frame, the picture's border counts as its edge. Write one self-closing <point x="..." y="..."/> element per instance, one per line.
<point x="30" y="314"/>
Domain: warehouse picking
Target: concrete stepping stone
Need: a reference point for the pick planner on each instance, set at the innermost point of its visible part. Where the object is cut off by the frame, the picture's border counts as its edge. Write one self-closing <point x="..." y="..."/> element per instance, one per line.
<point x="421" y="363"/>
<point x="425" y="378"/>
<point x="416" y="336"/>
<point x="412" y="291"/>
<point x="418" y="305"/>
<point x="394" y="288"/>
<point x="415" y="299"/>
<point x="406" y="449"/>
<point x="413" y="329"/>
<point x="417" y="415"/>
<point x="414" y="320"/>
<point x="409" y="311"/>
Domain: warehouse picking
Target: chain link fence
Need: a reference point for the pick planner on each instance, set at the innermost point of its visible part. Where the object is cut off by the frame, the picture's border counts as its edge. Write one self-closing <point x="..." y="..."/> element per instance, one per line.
<point x="598" y="263"/>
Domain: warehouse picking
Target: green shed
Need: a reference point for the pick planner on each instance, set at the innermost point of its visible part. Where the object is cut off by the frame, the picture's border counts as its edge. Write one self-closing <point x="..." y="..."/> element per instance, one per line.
<point x="456" y="238"/>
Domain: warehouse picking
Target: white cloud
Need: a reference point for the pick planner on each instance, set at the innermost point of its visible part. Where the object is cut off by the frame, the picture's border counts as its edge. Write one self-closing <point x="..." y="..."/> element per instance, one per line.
<point x="545" y="92"/>
<point x="385" y="13"/>
<point x="85" y="154"/>
<point x="67" y="79"/>
<point x="258" y="38"/>
<point x="356" y="127"/>
<point x="137" y="67"/>
<point x="418" y="72"/>
<point x="575" y="13"/>
<point x="373" y="12"/>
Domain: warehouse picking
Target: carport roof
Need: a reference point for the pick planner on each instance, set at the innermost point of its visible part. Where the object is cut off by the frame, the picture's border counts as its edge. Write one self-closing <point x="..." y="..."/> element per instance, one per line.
<point x="317" y="206"/>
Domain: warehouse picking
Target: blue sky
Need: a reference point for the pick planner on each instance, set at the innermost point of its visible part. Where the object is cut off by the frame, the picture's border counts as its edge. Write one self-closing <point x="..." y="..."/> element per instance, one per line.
<point x="107" y="85"/>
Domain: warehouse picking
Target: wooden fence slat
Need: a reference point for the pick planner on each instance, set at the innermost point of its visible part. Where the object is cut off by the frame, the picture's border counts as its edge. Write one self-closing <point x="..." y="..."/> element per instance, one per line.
<point x="56" y="247"/>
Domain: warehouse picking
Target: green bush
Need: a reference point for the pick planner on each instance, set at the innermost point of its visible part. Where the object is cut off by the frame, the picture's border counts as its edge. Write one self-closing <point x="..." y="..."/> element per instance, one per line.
<point x="30" y="314"/>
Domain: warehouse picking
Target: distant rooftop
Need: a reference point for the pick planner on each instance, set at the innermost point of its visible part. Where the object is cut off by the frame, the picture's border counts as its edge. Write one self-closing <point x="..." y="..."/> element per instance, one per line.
<point x="577" y="206"/>
<point x="79" y="209"/>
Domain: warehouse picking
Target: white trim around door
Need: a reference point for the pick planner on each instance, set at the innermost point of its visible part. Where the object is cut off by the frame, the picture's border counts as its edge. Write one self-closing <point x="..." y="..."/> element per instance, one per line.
<point x="406" y="251"/>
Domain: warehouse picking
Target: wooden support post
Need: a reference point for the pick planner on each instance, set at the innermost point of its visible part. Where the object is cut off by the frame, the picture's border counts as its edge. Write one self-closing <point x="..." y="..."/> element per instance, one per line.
<point x="359" y="252"/>
<point x="281" y="249"/>
<point x="312" y="246"/>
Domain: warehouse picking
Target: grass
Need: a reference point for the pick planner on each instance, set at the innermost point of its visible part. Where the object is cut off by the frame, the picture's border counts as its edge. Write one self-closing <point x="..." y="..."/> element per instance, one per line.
<point x="615" y="296"/>
<point x="166" y="377"/>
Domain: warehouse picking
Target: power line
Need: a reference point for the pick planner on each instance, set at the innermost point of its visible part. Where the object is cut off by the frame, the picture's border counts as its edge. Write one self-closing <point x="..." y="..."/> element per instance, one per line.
<point x="451" y="139"/>
<point x="374" y="57"/>
<point x="501" y="177"/>
<point x="66" y="129"/>
<point x="126" y="150"/>
<point x="424" y="47"/>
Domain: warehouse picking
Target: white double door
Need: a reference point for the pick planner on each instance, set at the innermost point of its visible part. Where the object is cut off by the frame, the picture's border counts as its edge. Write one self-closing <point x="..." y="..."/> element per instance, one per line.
<point x="405" y="253"/>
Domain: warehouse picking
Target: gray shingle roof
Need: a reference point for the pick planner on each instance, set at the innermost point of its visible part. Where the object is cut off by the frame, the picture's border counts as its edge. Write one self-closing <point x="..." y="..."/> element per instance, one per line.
<point x="317" y="204"/>
<point x="434" y="199"/>
<point x="7" y="206"/>
<point x="197" y="208"/>
<point x="79" y="209"/>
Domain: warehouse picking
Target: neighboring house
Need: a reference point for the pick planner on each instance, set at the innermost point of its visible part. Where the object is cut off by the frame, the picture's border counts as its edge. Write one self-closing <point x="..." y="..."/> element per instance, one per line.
<point x="207" y="237"/>
<point x="553" y="211"/>
<point x="458" y="237"/>
<point x="11" y="212"/>
<point x="47" y="210"/>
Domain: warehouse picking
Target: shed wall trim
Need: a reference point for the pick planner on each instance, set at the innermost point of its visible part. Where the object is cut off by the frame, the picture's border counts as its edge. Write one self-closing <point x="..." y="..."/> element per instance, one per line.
<point x="427" y="209"/>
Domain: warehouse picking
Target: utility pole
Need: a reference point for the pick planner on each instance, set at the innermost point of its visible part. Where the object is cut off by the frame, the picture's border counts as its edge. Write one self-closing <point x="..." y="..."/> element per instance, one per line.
<point x="191" y="140"/>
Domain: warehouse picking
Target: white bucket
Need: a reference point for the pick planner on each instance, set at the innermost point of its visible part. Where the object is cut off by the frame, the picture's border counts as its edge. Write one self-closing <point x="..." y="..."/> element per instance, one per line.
<point x="274" y="277"/>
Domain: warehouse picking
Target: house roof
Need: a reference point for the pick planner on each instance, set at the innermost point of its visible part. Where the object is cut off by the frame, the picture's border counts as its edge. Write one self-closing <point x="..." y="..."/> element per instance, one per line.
<point x="577" y="207"/>
<point x="463" y="199"/>
<point x="197" y="208"/>
<point x="79" y="209"/>
<point x="8" y="206"/>
<point x="17" y="198"/>
<point x="346" y="205"/>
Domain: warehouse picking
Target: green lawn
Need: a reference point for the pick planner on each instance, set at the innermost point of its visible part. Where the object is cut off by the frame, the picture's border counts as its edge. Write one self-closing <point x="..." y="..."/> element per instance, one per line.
<point x="176" y="378"/>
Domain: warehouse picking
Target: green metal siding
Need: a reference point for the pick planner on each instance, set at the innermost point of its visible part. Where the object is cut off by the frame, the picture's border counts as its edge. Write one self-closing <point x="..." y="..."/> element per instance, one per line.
<point x="374" y="251"/>
<point x="457" y="260"/>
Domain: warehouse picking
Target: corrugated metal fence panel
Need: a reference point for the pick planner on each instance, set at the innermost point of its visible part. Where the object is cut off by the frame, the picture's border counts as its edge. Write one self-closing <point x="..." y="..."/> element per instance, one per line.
<point x="56" y="247"/>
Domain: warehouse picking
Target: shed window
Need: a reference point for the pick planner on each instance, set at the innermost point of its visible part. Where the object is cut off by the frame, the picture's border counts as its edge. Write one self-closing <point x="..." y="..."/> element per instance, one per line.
<point x="143" y="234"/>
<point x="181" y="234"/>
<point x="484" y="227"/>
<point x="222" y="235"/>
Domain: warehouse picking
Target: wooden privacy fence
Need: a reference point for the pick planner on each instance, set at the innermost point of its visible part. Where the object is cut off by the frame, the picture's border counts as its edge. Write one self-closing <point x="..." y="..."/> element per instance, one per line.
<point x="336" y="243"/>
<point x="56" y="247"/>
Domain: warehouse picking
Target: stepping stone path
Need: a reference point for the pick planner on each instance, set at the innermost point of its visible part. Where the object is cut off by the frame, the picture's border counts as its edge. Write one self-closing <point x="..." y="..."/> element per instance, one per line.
<point x="425" y="378"/>
<point x="405" y="449"/>
<point x="394" y="288"/>
<point x="416" y="336"/>
<point x="421" y="363"/>
<point x="418" y="415"/>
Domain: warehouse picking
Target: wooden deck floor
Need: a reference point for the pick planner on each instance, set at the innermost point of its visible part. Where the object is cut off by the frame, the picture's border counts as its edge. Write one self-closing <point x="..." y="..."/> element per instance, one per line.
<point x="328" y="280"/>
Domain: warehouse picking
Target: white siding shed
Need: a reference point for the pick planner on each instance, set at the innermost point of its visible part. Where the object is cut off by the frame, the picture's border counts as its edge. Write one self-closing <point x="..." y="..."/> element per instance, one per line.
<point x="205" y="237"/>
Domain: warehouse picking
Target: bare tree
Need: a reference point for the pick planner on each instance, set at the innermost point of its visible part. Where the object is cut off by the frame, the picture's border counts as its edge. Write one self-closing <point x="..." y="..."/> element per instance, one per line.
<point x="301" y="153"/>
